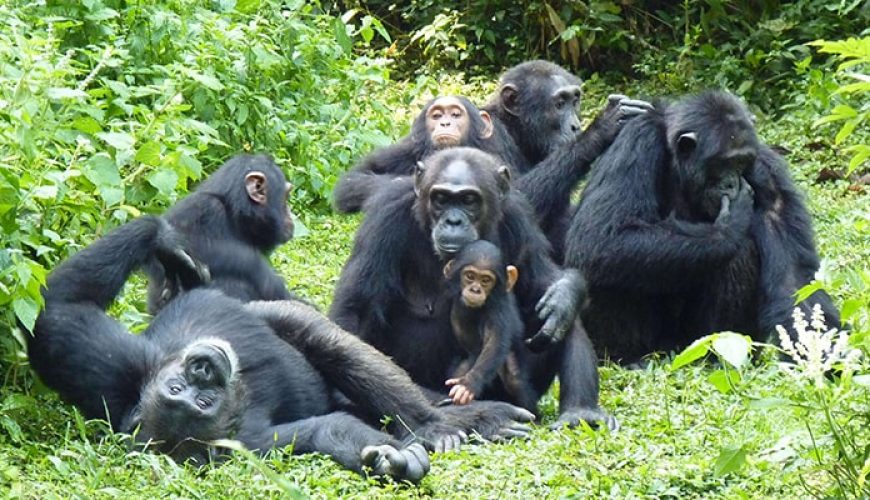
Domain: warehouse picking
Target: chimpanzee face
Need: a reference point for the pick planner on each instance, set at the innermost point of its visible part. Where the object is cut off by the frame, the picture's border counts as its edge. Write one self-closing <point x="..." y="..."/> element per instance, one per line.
<point x="459" y="193"/>
<point x="561" y="110"/>
<point x="447" y="122"/>
<point x="712" y="159"/>
<point x="194" y="398"/>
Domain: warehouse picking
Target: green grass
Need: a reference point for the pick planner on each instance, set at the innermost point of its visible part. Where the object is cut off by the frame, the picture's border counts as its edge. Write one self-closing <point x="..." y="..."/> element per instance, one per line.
<point x="674" y="424"/>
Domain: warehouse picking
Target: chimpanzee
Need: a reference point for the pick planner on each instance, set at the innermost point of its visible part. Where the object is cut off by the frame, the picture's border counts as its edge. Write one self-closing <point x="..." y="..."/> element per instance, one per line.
<point x="391" y="294"/>
<point x="690" y="225"/>
<point x="236" y="217"/>
<point x="444" y="122"/>
<point x="487" y="324"/>
<point x="209" y="367"/>
<point x="536" y="109"/>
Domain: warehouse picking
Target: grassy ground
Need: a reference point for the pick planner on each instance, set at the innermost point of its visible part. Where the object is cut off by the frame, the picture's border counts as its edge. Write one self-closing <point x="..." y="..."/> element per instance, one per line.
<point x="674" y="424"/>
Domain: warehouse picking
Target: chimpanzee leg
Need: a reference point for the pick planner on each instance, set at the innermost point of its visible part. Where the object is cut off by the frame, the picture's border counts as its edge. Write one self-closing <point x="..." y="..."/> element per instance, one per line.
<point x="349" y="441"/>
<point x="578" y="381"/>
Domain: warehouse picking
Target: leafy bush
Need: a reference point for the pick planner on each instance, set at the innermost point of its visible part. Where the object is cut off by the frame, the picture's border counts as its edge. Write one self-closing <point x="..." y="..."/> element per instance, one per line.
<point x="854" y="94"/>
<point x="747" y="46"/>
<point x="109" y="108"/>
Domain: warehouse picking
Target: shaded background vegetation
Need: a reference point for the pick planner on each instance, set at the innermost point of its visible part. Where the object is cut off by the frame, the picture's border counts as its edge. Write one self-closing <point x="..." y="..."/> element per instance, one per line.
<point x="110" y="109"/>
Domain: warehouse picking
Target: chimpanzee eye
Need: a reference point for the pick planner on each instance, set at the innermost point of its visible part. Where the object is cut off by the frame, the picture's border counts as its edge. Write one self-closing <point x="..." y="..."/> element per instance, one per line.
<point x="439" y="198"/>
<point x="436" y="115"/>
<point x="469" y="275"/>
<point x="203" y="403"/>
<point x="456" y="114"/>
<point x="469" y="199"/>
<point x="486" y="281"/>
<point x="174" y="389"/>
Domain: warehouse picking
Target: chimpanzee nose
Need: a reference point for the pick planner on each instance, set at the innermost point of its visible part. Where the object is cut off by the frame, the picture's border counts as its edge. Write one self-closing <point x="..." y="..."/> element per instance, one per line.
<point x="201" y="370"/>
<point x="452" y="220"/>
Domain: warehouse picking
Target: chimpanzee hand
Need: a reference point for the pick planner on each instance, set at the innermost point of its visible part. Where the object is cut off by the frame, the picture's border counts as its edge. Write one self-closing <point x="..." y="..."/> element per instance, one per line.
<point x="736" y="215"/>
<point x="558" y="309"/>
<point x="462" y="391"/>
<point x="181" y="269"/>
<point x="592" y="416"/>
<point x="408" y="463"/>
<point x="619" y="110"/>
<point x="491" y="420"/>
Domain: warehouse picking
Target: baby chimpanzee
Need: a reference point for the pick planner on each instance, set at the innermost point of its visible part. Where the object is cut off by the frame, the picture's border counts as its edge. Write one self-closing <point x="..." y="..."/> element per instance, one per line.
<point x="486" y="322"/>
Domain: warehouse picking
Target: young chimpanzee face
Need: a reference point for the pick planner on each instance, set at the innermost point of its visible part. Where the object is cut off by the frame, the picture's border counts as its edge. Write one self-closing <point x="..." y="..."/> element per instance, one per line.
<point x="459" y="193"/>
<point x="449" y="123"/>
<point x="479" y="271"/>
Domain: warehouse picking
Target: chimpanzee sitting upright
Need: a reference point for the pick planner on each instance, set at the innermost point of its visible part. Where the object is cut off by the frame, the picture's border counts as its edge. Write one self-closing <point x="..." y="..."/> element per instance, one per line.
<point x="444" y="122"/>
<point x="537" y="131"/>
<point x="391" y="291"/>
<point x="209" y="367"/>
<point x="230" y="223"/>
<point x="486" y="322"/>
<point x="688" y="226"/>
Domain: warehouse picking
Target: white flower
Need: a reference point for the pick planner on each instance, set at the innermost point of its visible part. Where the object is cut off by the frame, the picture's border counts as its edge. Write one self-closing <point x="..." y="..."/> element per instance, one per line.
<point x="815" y="350"/>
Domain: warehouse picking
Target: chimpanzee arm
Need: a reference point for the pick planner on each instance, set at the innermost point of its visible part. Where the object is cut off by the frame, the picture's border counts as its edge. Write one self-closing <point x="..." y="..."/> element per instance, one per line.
<point x="371" y="281"/>
<point x="549" y="184"/>
<point x="375" y="385"/>
<point x="549" y="296"/>
<point x="76" y="348"/>
<point x="620" y="238"/>
<point x="783" y="234"/>
<point x="377" y="169"/>
<point x="345" y="438"/>
<point x="497" y="342"/>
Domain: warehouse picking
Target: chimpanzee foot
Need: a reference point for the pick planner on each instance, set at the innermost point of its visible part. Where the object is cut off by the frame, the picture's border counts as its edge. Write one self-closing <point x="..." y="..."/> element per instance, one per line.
<point x="595" y="417"/>
<point x="409" y="463"/>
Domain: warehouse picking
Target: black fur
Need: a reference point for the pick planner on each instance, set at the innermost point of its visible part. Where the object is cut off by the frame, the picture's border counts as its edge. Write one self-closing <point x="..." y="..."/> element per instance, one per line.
<point x="490" y="334"/>
<point x="224" y="229"/>
<point x="667" y="261"/>
<point x="391" y="290"/>
<point x="537" y="132"/>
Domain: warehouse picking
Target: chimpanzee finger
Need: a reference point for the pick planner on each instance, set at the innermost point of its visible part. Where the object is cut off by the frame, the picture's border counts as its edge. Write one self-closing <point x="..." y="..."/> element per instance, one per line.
<point x="637" y="104"/>
<point x="445" y="402"/>
<point x="616" y="98"/>
<point x="416" y="463"/>
<point x="540" y="342"/>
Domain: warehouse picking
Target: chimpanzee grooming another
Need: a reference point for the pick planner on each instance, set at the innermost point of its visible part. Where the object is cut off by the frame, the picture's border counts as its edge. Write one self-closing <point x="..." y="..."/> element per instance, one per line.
<point x="391" y="293"/>
<point x="536" y="109"/>
<point x="444" y="122"/>
<point x="690" y="225"/>
<point x="210" y="368"/>
<point x="487" y="324"/>
<point x="236" y="217"/>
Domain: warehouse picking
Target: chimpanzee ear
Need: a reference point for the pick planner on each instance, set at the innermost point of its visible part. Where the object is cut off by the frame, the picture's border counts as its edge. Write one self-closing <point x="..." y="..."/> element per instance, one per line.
<point x="448" y="267"/>
<point x="513" y="274"/>
<point x="504" y="180"/>
<point x="255" y="185"/>
<point x="486" y="133"/>
<point x="510" y="96"/>
<point x="686" y="144"/>
<point x="419" y="171"/>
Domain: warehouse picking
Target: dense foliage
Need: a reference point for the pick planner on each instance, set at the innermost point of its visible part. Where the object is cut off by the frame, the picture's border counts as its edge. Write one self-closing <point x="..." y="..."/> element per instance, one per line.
<point x="111" y="108"/>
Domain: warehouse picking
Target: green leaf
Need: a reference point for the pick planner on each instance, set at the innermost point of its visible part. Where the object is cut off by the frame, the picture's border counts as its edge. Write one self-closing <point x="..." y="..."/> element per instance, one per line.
<point x="697" y="350"/>
<point x="247" y="6"/>
<point x="765" y="403"/>
<point x="87" y="125"/>
<point x="102" y="171"/>
<point x="149" y="153"/>
<point x="57" y="93"/>
<point x="341" y="36"/>
<point x="164" y="180"/>
<point x="724" y="380"/>
<point x="26" y="310"/>
<point x="117" y="140"/>
<point x="732" y="347"/>
<point x="731" y="459"/>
